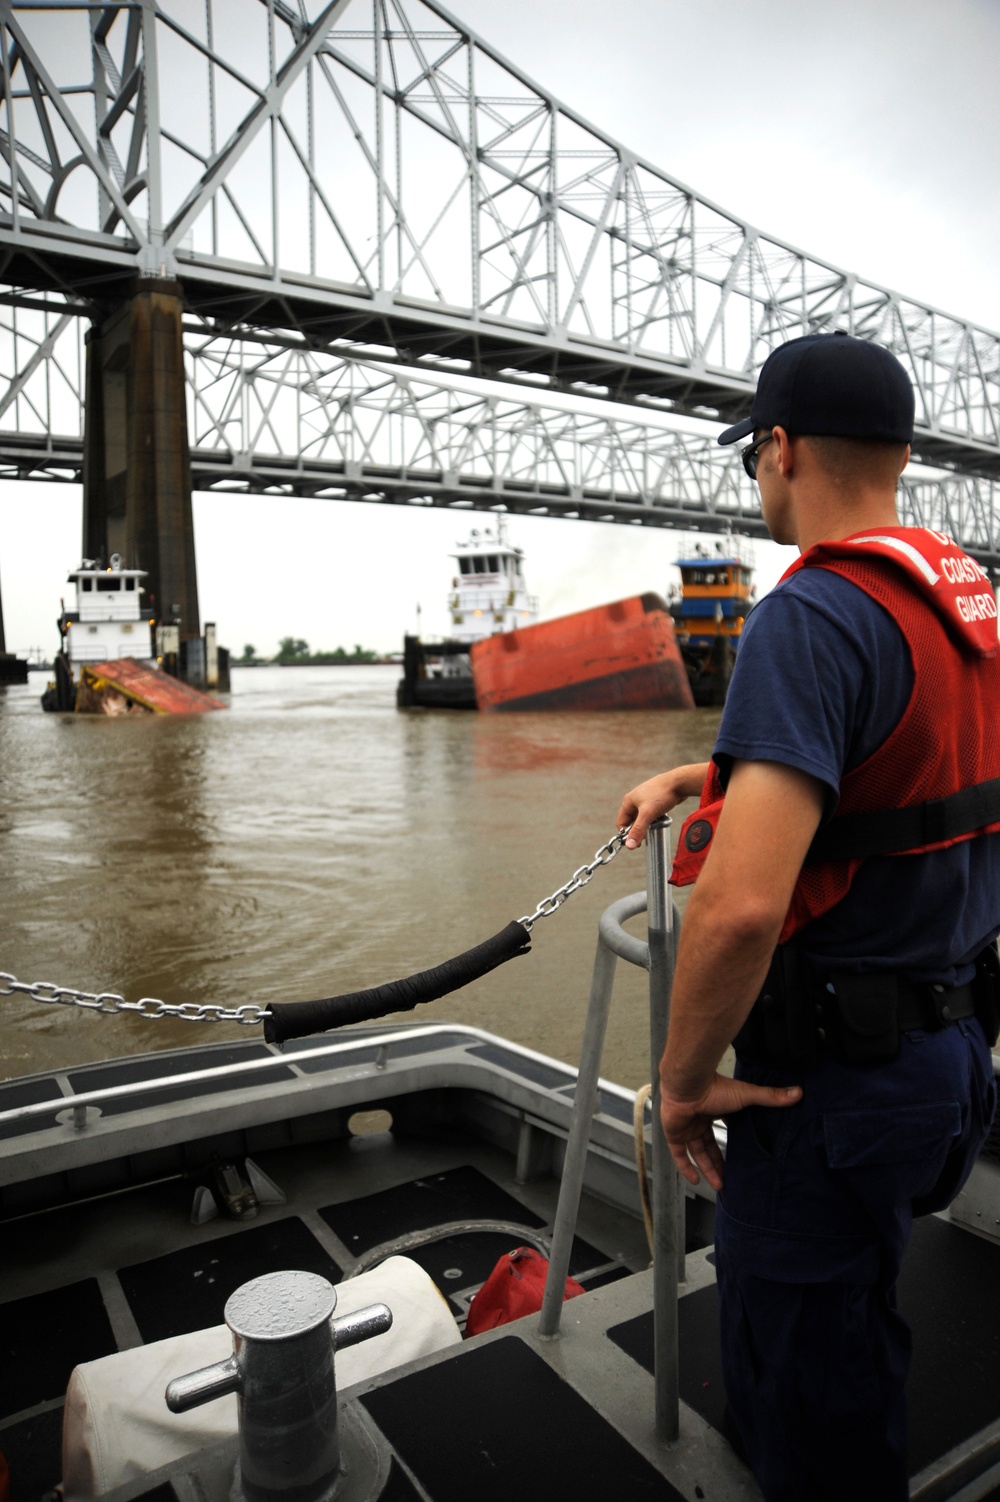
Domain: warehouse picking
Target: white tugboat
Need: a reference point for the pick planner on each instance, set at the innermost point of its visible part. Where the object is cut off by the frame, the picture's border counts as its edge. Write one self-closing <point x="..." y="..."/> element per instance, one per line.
<point x="488" y="595"/>
<point x="112" y="653"/>
<point x="105" y="624"/>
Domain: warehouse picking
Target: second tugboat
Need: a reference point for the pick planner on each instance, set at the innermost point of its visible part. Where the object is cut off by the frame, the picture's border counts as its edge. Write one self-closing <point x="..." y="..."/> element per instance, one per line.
<point x="619" y="656"/>
<point x="488" y="594"/>
<point x="716" y="596"/>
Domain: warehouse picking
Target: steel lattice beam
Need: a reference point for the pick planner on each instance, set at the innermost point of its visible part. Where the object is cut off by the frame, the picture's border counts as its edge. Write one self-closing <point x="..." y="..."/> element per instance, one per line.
<point x="282" y="421"/>
<point x="376" y="175"/>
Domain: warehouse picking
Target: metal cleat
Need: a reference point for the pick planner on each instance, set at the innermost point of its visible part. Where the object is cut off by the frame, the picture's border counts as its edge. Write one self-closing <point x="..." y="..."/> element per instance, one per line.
<point x="282" y="1371"/>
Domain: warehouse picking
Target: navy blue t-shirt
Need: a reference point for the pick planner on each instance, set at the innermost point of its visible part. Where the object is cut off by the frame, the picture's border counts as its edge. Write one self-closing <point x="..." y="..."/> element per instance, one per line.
<point x="822" y="677"/>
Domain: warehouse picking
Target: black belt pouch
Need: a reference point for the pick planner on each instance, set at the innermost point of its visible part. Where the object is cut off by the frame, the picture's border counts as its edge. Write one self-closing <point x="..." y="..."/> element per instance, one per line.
<point x="781" y="1029"/>
<point x="861" y="1018"/>
<point x="986" y="992"/>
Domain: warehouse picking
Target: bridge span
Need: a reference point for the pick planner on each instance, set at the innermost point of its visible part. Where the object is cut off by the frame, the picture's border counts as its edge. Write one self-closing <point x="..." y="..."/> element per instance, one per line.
<point x="289" y="424"/>
<point x="336" y="184"/>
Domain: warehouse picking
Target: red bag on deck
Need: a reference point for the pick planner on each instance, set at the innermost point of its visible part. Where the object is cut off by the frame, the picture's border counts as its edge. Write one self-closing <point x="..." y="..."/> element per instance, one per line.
<point x="513" y="1289"/>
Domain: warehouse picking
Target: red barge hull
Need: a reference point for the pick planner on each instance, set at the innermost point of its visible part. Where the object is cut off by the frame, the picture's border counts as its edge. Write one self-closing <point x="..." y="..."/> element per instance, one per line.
<point x="127" y="686"/>
<point x="618" y="656"/>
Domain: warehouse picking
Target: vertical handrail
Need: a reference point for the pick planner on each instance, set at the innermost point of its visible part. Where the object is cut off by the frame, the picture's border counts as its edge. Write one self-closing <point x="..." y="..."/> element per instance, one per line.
<point x="668" y="1203"/>
<point x="575" y="1162"/>
<point x="668" y="1242"/>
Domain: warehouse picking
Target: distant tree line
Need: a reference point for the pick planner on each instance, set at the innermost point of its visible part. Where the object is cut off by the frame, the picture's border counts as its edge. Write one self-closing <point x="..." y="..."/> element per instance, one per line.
<point x="294" y="652"/>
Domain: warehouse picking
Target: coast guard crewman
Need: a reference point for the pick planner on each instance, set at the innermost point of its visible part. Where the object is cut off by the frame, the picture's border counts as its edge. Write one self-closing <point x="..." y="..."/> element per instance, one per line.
<point x="848" y="892"/>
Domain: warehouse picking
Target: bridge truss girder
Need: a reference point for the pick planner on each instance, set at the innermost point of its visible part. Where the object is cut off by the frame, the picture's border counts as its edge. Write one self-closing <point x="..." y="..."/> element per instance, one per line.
<point x="377" y="176"/>
<point x="272" y="418"/>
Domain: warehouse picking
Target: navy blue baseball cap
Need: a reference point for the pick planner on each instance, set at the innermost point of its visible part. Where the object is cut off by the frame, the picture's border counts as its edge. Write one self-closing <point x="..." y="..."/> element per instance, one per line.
<point x="831" y="385"/>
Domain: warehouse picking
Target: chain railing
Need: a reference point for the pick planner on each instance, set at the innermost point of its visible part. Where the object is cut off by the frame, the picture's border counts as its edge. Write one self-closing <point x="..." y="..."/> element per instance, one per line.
<point x="111" y="1004"/>
<point x="581" y="876"/>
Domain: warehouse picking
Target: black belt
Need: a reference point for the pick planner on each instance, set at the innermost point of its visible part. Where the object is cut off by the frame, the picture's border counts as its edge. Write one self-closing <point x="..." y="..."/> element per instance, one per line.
<point x="857" y="1018"/>
<point x="860" y="1018"/>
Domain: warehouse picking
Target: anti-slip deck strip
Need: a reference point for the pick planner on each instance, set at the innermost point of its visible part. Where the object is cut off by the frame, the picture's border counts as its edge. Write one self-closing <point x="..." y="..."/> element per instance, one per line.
<point x="947" y="1293"/>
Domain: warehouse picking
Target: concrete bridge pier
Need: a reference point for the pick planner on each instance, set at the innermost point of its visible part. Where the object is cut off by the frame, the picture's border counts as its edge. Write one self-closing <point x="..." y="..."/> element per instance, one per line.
<point x="137" y="468"/>
<point x="12" y="669"/>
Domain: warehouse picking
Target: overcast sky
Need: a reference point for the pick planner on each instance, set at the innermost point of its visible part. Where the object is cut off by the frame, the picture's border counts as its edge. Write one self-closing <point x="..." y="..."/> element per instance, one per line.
<point x="863" y="131"/>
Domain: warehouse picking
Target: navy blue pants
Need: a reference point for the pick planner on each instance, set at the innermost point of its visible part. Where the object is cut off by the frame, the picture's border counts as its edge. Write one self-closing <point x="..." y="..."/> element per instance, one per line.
<point x="811" y="1228"/>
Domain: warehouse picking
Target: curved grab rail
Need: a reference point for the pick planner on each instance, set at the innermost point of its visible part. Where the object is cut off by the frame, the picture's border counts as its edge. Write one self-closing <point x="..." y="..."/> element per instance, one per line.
<point x="625" y="945"/>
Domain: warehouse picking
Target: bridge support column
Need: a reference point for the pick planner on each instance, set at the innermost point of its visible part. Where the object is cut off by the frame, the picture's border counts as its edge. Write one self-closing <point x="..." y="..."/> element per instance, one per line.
<point x="12" y="669"/>
<point x="137" y="468"/>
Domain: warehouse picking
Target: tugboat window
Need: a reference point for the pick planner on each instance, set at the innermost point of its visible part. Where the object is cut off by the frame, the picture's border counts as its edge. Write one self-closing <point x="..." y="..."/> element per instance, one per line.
<point x="88" y="585"/>
<point x="463" y="566"/>
<point x="108" y="585"/>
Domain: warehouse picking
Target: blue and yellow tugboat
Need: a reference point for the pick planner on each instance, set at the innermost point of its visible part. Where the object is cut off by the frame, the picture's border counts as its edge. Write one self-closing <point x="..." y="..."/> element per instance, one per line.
<point x="717" y="594"/>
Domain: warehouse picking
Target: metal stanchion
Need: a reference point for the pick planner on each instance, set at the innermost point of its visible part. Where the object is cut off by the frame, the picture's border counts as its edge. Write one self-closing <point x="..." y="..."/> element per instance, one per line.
<point x="575" y="1162"/>
<point x="668" y="1242"/>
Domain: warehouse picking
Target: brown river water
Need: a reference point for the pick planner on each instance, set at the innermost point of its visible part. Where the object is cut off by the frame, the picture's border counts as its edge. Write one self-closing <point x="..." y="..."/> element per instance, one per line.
<point x="310" y="841"/>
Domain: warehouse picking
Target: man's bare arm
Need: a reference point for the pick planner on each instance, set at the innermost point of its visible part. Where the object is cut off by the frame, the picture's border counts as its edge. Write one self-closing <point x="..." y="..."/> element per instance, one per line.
<point x="731" y="926"/>
<point x="652" y="799"/>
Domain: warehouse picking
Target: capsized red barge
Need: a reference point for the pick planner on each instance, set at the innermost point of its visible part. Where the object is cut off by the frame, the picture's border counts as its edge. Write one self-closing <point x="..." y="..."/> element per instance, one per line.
<point x="129" y="687"/>
<point x="618" y="656"/>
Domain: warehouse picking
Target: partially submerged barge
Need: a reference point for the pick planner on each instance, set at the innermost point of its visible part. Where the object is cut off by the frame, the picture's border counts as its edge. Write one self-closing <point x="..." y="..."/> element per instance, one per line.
<point x="500" y="657"/>
<point x="618" y="656"/>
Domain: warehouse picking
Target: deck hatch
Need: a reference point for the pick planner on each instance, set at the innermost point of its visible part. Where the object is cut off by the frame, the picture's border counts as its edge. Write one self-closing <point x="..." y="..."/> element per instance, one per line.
<point x="463" y="1261"/>
<point x="457" y="1194"/>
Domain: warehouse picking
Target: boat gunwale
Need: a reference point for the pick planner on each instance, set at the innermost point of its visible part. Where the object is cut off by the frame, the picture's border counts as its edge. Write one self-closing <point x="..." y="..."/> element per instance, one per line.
<point x="381" y="1039"/>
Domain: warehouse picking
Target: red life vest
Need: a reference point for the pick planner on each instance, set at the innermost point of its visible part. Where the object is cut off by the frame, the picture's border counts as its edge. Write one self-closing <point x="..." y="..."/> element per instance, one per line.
<point x="956" y="671"/>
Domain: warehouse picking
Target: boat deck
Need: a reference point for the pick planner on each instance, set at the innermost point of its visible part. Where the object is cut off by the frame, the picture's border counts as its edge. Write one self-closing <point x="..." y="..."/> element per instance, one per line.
<point x="93" y="1263"/>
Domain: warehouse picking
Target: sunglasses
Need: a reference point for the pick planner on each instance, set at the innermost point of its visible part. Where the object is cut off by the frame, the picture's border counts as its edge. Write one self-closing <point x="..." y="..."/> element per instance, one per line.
<point x="749" y="454"/>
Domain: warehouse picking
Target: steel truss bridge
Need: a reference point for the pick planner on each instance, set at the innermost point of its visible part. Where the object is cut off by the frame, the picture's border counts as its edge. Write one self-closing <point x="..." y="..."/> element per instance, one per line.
<point x="277" y="420"/>
<point x="363" y="210"/>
